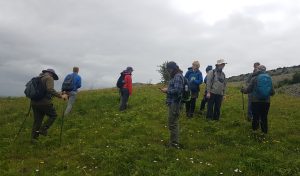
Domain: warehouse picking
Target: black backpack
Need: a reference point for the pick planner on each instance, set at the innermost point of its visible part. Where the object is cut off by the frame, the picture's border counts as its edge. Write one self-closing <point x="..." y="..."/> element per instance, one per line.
<point x="35" y="89"/>
<point x="121" y="81"/>
<point x="186" y="93"/>
<point x="68" y="84"/>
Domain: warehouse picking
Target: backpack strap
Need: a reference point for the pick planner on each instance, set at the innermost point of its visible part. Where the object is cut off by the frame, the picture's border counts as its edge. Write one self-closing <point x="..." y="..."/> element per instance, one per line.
<point x="213" y="79"/>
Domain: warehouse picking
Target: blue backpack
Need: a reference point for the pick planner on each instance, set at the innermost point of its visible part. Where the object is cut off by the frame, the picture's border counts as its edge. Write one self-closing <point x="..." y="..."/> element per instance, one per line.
<point x="68" y="84"/>
<point x="264" y="86"/>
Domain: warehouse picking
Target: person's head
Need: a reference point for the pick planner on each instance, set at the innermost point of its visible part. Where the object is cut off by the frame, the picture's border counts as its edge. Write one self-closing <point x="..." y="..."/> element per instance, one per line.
<point x="195" y="65"/>
<point x="172" y="67"/>
<point x="261" y="68"/>
<point x="220" y="64"/>
<point x="129" y="69"/>
<point x="256" y="64"/>
<point x="51" y="72"/>
<point x="76" y="69"/>
<point x="208" y="68"/>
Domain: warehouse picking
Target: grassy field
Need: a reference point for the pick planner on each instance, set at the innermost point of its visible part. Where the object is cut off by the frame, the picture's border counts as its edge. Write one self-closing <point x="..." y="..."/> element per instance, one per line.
<point x="100" y="140"/>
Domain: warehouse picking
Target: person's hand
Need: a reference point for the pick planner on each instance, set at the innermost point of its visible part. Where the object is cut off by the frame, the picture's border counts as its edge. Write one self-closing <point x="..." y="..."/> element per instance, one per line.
<point x="224" y="97"/>
<point x="164" y="90"/>
<point x="64" y="96"/>
<point x="242" y="90"/>
<point x="208" y="95"/>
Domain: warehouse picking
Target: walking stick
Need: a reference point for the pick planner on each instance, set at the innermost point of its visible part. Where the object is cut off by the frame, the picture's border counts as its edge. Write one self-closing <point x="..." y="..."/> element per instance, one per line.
<point x="23" y="123"/>
<point x="62" y="124"/>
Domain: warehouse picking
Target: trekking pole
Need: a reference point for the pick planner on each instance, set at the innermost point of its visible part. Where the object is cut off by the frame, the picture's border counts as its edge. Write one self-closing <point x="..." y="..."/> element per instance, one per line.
<point x="23" y="123"/>
<point x="61" y="125"/>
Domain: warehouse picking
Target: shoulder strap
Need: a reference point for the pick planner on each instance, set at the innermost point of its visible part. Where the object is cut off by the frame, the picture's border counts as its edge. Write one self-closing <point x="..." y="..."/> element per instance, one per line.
<point x="212" y="80"/>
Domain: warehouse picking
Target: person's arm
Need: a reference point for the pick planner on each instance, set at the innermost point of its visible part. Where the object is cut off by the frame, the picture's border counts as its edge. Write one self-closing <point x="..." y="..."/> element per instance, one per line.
<point x="78" y="83"/>
<point x="178" y="86"/>
<point x="128" y="82"/>
<point x="250" y="87"/>
<point x="225" y="84"/>
<point x="50" y="87"/>
<point x="209" y="81"/>
<point x="199" y="79"/>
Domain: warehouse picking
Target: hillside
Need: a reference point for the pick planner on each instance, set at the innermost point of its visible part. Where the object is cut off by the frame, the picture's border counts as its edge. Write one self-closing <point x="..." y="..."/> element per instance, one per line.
<point x="99" y="140"/>
<point x="278" y="74"/>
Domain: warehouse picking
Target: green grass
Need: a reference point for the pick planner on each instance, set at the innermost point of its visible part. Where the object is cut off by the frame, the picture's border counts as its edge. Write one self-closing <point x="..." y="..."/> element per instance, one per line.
<point x="100" y="140"/>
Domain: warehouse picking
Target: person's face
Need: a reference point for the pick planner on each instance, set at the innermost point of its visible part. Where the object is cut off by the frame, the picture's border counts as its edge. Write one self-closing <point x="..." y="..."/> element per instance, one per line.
<point x="255" y="66"/>
<point x="221" y="66"/>
<point x="170" y="70"/>
<point x="194" y="67"/>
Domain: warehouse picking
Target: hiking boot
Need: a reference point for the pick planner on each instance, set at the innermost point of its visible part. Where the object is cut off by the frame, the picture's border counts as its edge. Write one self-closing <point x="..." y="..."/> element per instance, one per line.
<point x="174" y="145"/>
<point x="34" y="140"/>
<point x="43" y="132"/>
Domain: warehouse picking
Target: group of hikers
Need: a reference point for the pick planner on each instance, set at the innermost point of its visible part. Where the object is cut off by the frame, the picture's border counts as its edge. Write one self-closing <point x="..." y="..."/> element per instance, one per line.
<point x="258" y="87"/>
<point x="41" y="91"/>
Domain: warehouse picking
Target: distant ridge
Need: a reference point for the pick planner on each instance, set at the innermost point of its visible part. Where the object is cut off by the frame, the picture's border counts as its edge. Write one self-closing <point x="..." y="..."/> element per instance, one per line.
<point x="280" y="73"/>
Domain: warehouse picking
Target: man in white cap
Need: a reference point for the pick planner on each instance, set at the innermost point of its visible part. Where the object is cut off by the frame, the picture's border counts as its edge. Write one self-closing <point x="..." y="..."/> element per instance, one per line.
<point x="216" y="86"/>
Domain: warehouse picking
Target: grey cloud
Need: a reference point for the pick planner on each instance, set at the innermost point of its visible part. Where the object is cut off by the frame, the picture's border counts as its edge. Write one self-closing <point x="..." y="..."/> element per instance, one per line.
<point x="103" y="37"/>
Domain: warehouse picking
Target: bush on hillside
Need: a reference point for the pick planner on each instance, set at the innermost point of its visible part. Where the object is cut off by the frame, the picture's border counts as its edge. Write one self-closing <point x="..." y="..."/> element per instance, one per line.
<point x="165" y="76"/>
<point x="296" y="78"/>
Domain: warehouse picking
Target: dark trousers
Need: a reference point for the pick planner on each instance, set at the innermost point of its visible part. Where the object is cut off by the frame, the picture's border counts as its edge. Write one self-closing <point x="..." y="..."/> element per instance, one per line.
<point x="250" y="115"/>
<point x="203" y="102"/>
<point x="39" y="111"/>
<point x="190" y="106"/>
<point x="260" y="112"/>
<point x="214" y="106"/>
<point x="124" y="99"/>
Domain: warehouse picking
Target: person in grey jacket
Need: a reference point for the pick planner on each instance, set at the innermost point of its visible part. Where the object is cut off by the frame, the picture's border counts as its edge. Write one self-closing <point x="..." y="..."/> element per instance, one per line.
<point x="250" y="114"/>
<point x="260" y="106"/>
<point x="216" y="86"/>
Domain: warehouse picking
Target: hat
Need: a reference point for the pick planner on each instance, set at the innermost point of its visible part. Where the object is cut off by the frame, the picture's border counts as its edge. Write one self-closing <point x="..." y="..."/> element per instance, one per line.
<point x="172" y="65"/>
<point x="221" y="61"/>
<point x="49" y="70"/>
<point x="129" y="69"/>
<point x="261" y="68"/>
<point x="208" y="68"/>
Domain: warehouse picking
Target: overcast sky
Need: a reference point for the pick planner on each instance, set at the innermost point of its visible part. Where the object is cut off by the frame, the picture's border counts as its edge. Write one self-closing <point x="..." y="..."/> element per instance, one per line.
<point x="102" y="37"/>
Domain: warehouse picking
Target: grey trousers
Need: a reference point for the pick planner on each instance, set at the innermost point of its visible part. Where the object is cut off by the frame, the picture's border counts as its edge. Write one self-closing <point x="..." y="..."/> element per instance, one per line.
<point x="71" y="101"/>
<point x="174" y="111"/>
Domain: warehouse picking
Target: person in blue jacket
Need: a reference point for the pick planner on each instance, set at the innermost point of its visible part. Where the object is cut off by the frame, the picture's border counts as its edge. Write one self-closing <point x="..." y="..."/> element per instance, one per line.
<point x="76" y="85"/>
<point x="194" y="77"/>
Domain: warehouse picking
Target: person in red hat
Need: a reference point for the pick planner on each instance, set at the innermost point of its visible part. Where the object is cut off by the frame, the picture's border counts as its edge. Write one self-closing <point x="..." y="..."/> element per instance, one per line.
<point x="45" y="106"/>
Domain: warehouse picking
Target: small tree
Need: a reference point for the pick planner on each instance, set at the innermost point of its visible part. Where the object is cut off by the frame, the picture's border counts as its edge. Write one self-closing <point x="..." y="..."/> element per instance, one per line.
<point x="165" y="76"/>
<point x="296" y="78"/>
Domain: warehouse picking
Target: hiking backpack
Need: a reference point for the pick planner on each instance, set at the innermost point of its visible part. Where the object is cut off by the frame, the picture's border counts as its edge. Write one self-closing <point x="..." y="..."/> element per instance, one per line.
<point x="264" y="86"/>
<point x="186" y="93"/>
<point x="68" y="84"/>
<point x="121" y="81"/>
<point x="35" y="89"/>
